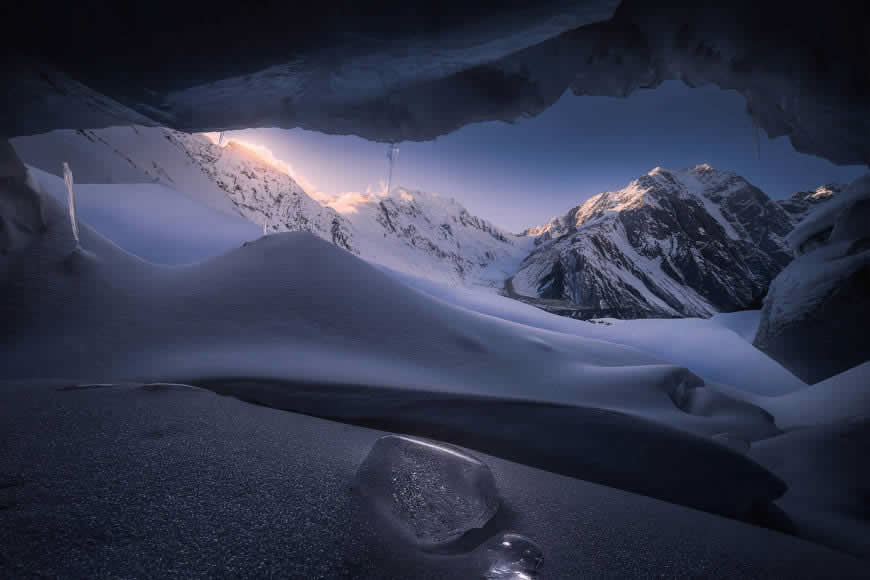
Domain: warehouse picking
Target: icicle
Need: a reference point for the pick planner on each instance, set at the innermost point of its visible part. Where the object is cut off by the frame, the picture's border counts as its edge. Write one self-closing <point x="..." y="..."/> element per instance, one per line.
<point x="265" y="225"/>
<point x="393" y="156"/>
<point x="68" y="180"/>
<point x="221" y="139"/>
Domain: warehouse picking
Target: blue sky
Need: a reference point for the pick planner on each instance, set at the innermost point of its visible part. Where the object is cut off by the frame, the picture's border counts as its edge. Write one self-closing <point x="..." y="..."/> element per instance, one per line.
<point x="521" y="174"/>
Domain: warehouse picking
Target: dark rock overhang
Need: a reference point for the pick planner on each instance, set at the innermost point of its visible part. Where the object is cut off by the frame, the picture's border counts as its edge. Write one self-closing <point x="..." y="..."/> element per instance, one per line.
<point x="418" y="69"/>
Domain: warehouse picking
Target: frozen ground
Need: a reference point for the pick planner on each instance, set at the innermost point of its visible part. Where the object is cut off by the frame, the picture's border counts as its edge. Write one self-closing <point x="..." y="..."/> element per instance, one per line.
<point x="161" y="482"/>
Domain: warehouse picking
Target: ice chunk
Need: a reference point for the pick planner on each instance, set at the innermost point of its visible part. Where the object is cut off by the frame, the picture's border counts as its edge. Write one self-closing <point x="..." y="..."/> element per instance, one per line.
<point x="430" y="491"/>
<point x="513" y="557"/>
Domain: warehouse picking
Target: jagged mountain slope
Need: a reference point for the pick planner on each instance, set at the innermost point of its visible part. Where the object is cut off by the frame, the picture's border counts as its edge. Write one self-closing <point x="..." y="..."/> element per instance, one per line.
<point x="802" y="203"/>
<point x="233" y="179"/>
<point x="123" y="155"/>
<point x="431" y="236"/>
<point x="672" y="243"/>
<point x="411" y="231"/>
<point x="263" y="193"/>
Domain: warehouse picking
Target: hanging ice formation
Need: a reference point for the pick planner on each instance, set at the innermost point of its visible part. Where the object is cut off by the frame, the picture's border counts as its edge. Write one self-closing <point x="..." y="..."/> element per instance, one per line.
<point x="221" y="139"/>
<point x="393" y="156"/>
<point x="68" y="180"/>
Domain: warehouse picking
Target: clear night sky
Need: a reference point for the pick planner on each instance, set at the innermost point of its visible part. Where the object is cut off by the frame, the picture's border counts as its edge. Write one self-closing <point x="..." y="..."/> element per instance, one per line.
<point x="521" y="174"/>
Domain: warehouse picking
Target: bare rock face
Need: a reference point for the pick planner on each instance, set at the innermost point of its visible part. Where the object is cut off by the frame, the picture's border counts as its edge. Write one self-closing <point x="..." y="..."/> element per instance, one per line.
<point x="817" y="312"/>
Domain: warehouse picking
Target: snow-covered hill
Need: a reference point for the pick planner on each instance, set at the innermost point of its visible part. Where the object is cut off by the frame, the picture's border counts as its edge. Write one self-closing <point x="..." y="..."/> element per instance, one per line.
<point x="691" y="242"/>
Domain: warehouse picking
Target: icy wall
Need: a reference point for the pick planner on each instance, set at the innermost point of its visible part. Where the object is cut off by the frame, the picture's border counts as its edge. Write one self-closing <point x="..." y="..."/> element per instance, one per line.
<point x="416" y="70"/>
<point x="817" y="311"/>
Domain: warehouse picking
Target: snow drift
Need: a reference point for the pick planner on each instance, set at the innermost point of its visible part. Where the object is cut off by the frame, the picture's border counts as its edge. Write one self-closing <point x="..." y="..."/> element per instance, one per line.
<point x="292" y="307"/>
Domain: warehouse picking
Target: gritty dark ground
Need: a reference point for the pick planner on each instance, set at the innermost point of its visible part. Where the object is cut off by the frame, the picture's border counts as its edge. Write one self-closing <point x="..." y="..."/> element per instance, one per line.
<point x="137" y="482"/>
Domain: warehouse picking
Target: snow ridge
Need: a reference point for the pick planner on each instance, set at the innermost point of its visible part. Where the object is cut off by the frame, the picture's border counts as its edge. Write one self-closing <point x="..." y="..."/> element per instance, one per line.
<point x="800" y="204"/>
<point x="431" y="236"/>
<point x="263" y="193"/>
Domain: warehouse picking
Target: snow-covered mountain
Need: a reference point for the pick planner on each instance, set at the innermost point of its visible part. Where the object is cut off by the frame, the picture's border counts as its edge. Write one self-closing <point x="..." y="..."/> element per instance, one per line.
<point x="431" y="236"/>
<point x="691" y="242"/>
<point x="672" y="243"/>
<point x="803" y="202"/>
<point x="414" y="232"/>
<point x="234" y="179"/>
<point x="263" y="192"/>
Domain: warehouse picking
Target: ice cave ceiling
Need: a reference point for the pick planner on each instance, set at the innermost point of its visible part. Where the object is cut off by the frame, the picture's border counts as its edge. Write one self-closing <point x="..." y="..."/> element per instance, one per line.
<point x="418" y="69"/>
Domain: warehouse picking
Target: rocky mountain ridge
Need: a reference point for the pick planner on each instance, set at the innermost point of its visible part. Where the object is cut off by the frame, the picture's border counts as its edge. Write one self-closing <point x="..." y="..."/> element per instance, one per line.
<point x="689" y="242"/>
<point x="801" y="203"/>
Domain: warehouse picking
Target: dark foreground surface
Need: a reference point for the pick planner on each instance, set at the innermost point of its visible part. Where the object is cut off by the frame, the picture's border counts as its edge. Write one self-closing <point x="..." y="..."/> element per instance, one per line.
<point x="180" y="482"/>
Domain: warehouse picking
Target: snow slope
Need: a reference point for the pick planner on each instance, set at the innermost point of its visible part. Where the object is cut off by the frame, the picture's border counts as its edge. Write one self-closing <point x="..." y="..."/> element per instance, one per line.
<point x="827" y="473"/>
<point x="291" y="306"/>
<point x="412" y="231"/>
<point x="431" y="236"/>
<point x="288" y="305"/>
<point x="155" y="224"/>
<point x="159" y="224"/>
<point x="294" y="322"/>
<point x="717" y="349"/>
<point x="234" y="179"/>
<point x="292" y="309"/>
<point x="263" y="192"/>
<point x="124" y="155"/>
<point x="841" y="398"/>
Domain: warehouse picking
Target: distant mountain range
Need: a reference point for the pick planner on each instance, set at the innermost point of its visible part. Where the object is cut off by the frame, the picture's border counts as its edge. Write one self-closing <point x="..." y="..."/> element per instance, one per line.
<point x="690" y="242"/>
